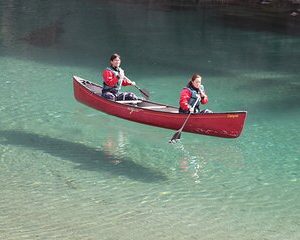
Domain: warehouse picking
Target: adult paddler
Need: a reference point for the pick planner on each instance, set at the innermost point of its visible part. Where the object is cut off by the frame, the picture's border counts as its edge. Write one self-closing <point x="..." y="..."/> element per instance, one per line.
<point x="192" y="95"/>
<point x="113" y="79"/>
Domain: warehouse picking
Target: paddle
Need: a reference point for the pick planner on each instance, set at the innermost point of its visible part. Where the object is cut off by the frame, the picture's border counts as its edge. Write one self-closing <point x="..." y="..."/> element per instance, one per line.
<point x="177" y="135"/>
<point x="144" y="92"/>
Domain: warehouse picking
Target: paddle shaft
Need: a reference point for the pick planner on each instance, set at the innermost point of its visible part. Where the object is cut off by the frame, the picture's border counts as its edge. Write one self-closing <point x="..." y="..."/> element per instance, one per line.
<point x="180" y="130"/>
<point x="177" y="135"/>
<point x="144" y="92"/>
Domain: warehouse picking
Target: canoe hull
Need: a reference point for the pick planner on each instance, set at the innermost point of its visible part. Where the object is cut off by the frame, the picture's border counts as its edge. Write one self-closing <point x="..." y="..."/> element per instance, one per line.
<point x="226" y="125"/>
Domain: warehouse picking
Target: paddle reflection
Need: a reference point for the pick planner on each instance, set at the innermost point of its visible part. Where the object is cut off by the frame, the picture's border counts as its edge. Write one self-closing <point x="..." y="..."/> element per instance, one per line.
<point x="190" y="163"/>
<point x="196" y="161"/>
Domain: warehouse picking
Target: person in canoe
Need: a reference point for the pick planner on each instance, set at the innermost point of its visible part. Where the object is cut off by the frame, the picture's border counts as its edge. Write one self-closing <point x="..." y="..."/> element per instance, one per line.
<point x="192" y="95"/>
<point x="113" y="79"/>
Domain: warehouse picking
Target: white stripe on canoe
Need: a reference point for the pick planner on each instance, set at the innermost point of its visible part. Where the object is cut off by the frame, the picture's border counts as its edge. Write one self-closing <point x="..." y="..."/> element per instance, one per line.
<point x="130" y="101"/>
<point x="154" y="107"/>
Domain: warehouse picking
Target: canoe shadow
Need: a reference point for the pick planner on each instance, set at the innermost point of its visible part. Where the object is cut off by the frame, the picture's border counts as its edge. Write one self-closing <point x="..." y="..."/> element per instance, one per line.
<point x="86" y="157"/>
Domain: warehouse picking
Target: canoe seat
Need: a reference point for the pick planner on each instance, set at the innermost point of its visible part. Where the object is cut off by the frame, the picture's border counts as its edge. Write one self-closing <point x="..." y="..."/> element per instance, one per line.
<point x="95" y="89"/>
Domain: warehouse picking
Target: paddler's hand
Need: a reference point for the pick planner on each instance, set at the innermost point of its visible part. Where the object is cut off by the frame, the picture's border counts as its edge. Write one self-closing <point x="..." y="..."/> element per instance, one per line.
<point x="121" y="74"/>
<point x="132" y="83"/>
<point x="203" y="95"/>
<point x="204" y="100"/>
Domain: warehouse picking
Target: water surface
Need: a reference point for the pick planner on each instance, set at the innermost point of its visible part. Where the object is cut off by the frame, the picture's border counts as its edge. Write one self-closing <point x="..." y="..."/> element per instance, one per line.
<point x="70" y="172"/>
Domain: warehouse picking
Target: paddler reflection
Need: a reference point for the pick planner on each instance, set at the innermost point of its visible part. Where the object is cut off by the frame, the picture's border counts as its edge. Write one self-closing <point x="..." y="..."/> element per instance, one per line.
<point x="115" y="146"/>
<point x="192" y="165"/>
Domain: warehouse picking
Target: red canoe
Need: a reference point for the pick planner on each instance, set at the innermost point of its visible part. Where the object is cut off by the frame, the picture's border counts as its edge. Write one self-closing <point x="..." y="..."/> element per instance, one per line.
<point x="226" y="125"/>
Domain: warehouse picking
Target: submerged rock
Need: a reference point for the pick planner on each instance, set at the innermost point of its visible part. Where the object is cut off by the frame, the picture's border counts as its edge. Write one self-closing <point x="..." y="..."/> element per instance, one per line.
<point x="46" y="36"/>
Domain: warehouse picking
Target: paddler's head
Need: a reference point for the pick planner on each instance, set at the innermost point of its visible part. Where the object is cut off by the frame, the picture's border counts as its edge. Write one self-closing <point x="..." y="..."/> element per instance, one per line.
<point x="115" y="60"/>
<point x="195" y="81"/>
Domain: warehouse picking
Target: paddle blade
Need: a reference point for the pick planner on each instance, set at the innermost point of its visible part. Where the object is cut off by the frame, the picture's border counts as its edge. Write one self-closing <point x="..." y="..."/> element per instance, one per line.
<point x="176" y="137"/>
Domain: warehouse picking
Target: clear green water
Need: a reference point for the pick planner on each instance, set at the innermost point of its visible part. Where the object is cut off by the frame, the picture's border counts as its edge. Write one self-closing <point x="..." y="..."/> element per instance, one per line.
<point x="70" y="172"/>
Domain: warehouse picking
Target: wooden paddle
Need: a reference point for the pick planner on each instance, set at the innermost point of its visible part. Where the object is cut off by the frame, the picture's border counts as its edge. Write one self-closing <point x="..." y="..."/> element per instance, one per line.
<point x="177" y="135"/>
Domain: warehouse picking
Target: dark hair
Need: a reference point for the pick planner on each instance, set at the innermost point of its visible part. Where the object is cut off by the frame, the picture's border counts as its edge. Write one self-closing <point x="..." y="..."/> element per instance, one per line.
<point x="195" y="75"/>
<point x="114" y="56"/>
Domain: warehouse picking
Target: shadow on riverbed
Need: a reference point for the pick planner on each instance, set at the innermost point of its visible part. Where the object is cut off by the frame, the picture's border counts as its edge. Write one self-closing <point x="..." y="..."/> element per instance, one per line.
<point x="88" y="158"/>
